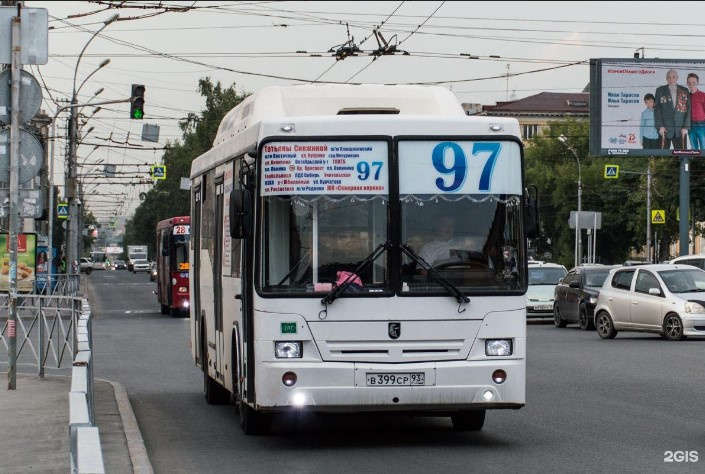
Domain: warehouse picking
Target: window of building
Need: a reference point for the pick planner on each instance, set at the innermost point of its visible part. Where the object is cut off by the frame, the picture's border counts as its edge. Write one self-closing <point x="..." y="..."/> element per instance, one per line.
<point x="530" y="131"/>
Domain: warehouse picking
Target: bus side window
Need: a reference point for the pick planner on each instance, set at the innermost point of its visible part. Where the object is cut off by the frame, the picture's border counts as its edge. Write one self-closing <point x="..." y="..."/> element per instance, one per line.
<point x="165" y="245"/>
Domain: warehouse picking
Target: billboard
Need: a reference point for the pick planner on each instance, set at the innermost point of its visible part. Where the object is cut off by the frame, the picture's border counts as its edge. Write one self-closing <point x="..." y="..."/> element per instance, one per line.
<point x="26" y="262"/>
<point x="647" y="107"/>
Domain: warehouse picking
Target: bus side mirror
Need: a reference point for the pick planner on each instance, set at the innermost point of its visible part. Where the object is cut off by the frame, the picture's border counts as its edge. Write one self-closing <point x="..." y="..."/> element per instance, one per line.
<point x="531" y="210"/>
<point x="240" y="214"/>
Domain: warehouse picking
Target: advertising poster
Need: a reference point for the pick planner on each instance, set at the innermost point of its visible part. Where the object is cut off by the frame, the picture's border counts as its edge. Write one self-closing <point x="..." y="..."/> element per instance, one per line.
<point x="647" y="107"/>
<point x="44" y="267"/>
<point x="26" y="262"/>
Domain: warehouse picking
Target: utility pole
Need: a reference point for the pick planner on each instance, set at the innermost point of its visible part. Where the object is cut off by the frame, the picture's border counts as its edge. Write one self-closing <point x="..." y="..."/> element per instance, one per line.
<point x="20" y="52"/>
<point x="648" y="213"/>
<point x="72" y="256"/>
<point x="14" y="198"/>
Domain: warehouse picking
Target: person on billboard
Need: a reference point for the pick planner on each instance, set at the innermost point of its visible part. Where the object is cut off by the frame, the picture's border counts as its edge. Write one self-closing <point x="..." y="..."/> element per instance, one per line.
<point x="672" y="113"/>
<point x="649" y="134"/>
<point x="697" y="113"/>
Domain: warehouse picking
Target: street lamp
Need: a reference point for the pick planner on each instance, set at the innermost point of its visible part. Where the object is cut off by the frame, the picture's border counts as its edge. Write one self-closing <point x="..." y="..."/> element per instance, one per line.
<point x="578" y="251"/>
<point x="72" y="237"/>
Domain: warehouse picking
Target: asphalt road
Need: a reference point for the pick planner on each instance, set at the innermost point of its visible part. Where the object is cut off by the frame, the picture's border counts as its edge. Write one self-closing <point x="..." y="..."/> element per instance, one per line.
<point x="623" y="405"/>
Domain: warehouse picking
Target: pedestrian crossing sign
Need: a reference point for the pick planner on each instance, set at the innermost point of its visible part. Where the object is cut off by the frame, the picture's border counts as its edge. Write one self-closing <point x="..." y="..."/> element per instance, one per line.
<point x="658" y="216"/>
<point x="611" y="171"/>
<point x="62" y="210"/>
<point x="158" y="172"/>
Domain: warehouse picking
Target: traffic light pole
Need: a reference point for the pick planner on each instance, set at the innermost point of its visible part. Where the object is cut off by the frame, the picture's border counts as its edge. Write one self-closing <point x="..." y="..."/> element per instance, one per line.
<point x="52" y="207"/>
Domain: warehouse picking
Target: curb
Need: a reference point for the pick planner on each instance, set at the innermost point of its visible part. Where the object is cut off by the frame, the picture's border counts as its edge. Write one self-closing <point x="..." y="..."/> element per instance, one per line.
<point x="135" y="443"/>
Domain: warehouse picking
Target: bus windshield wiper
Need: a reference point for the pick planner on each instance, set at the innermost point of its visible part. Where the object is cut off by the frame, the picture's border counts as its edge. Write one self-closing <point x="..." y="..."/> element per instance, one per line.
<point x="452" y="289"/>
<point x="335" y="292"/>
<point x="293" y="269"/>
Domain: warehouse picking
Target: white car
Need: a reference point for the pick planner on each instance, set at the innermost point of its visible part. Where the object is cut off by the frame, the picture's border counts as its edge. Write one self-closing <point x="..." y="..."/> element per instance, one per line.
<point x="694" y="260"/>
<point x="87" y="265"/>
<point x="543" y="278"/>
<point x="664" y="298"/>
<point x="140" y="266"/>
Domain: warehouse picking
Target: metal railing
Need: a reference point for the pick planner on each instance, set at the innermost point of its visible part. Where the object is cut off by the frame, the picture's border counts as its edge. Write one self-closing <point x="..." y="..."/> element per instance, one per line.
<point x="46" y="325"/>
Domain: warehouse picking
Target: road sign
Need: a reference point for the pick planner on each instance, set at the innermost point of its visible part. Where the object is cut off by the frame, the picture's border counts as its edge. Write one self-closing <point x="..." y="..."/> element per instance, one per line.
<point x="31" y="156"/>
<point x="30" y="202"/>
<point x="30" y="96"/>
<point x="34" y="35"/>
<point x="62" y="210"/>
<point x="611" y="171"/>
<point x="585" y="220"/>
<point x="158" y="172"/>
<point x="658" y="216"/>
<point x="150" y="133"/>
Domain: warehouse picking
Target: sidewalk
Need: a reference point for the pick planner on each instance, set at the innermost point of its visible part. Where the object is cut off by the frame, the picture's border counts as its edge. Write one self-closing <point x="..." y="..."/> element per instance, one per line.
<point x="34" y="426"/>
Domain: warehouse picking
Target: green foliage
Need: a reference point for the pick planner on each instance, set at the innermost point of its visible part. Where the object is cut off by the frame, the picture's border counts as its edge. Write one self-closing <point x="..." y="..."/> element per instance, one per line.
<point x="166" y="199"/>
<point x="553" y="168"/>
<point x="89" y="221"/>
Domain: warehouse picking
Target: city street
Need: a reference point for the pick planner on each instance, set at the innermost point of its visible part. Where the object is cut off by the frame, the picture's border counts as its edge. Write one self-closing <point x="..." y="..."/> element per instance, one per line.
<point x="625" y="405"/>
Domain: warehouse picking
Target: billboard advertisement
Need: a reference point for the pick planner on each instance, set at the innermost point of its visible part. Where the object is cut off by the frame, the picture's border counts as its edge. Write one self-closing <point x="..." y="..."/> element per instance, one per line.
<point x="647" y="107"/>
<point x="26" y="262"/>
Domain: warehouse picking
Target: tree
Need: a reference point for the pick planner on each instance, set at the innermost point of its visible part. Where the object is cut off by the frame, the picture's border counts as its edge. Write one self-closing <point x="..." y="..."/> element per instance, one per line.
<point x="166" y="199"/>
<point x="553" y="168"/>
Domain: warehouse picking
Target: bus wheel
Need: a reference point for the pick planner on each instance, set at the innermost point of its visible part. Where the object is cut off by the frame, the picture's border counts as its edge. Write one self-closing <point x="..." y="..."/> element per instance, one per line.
<point x="253" y="422"/>
<point x="470" y="420"/>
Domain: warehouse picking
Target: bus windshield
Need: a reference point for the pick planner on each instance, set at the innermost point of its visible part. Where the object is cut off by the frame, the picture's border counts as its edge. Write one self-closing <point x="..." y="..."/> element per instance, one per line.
<point x="181" y="247"/>
<point x="325" y="213"/>
<point x="313" y="242"/>
<point x="461" y="218"/>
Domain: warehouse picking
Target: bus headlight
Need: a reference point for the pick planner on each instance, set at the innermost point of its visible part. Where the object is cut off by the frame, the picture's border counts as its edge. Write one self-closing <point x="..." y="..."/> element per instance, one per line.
<point x="288" y="349"/>
<point x="498" y="347"/>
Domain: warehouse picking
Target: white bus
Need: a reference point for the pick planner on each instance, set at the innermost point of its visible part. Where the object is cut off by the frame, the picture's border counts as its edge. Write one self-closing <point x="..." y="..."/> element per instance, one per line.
<point x="321" y="278"/>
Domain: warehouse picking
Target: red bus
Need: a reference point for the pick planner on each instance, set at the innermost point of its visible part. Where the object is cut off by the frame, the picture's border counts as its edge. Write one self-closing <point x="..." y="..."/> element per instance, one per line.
<point x="173" y="237"/>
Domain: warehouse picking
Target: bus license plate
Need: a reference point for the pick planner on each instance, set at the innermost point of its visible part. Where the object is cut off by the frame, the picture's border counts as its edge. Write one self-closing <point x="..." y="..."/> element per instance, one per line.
<point x="543" y="307"/>
<point x="396" y="379"/>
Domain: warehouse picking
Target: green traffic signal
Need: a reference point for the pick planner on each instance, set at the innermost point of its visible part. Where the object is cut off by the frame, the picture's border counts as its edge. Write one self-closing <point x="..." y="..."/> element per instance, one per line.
<point x="137" y="103"/>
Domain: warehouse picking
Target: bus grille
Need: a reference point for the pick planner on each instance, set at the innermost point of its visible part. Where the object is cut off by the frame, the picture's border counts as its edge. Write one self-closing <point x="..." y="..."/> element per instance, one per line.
<point x="419" y="342"/>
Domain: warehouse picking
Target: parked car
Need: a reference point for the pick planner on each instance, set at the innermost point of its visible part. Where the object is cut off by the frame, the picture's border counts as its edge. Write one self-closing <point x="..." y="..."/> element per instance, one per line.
<point x="119" y="265"/>
<point x="543" y="278"/>
<point x="140" y="266"/>
<point x="694" y="260"/>
<point x="664" y="299"/>
<point x="576" y="295"/>
<point x="153" y="271"/>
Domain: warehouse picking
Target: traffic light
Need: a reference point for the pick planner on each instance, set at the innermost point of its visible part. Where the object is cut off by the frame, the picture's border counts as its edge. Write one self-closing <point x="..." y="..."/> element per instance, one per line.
<point x="137" y="104"/>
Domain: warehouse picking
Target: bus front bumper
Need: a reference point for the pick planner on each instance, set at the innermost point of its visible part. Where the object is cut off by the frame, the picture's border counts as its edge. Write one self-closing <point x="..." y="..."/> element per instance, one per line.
<point x="341" y="387"/>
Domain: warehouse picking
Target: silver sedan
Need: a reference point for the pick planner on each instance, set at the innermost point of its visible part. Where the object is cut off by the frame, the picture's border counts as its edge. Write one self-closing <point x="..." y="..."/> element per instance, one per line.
<point x="664" y="299"/>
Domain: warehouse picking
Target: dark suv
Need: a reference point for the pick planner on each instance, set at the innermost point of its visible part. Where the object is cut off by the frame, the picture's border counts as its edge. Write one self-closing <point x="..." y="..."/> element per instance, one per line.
<point x="576" y="295"/>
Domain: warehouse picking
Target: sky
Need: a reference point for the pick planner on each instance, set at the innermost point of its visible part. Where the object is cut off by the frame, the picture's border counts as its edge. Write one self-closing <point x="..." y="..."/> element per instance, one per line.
<point x="484" y="52"/>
